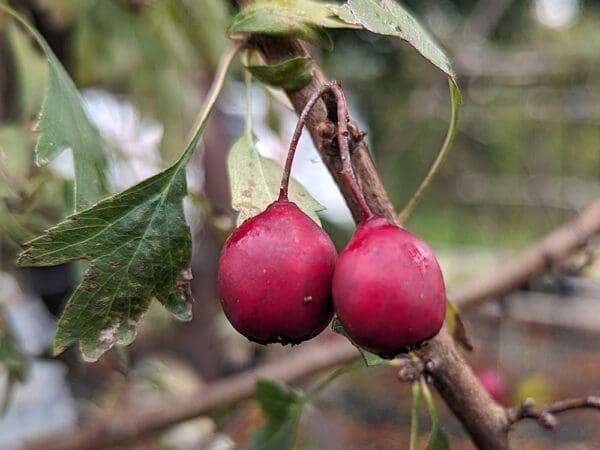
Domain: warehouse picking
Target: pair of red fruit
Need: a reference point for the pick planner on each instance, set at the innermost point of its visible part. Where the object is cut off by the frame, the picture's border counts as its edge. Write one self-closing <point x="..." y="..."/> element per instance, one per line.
<point x="280" y="278"/>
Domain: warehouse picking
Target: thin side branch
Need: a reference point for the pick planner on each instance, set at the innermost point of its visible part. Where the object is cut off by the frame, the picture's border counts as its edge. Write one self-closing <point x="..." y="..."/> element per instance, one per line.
<point x="546" y="416"/>
<point x="130" y="425"/>
<point x="553" y="249"/>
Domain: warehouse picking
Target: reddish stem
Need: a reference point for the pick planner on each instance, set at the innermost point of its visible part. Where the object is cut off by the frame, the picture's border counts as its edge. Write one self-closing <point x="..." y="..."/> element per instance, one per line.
<point x="342" y="136"/>
<point x="287" y="170"/>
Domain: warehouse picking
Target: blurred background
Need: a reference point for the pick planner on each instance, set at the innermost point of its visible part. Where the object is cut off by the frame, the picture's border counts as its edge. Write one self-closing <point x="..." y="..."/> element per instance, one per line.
<point x="526" y="158"/>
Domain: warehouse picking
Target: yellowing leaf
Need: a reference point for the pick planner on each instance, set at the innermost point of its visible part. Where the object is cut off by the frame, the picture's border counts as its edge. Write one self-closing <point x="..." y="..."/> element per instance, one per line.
<point x="255" y="182"/>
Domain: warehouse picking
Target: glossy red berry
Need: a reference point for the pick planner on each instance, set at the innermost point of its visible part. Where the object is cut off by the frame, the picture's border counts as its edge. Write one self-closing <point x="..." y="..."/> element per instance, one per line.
<point x="274" y="277"/>
<point x="388" y="290"/>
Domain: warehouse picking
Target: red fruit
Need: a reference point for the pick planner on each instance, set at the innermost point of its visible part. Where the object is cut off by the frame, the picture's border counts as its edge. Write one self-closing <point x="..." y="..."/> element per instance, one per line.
<point x="493" y="382"/>
<point x="388" y="290"/>
<point x="275" y="274"/>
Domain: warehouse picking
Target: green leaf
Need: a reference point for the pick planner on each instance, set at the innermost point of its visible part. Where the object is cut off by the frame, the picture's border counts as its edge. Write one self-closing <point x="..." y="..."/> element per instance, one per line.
<point x="456" y="327"/>
<point x="370" y="359"/>
<point x="63" y="124"/>
<point x="291" y="74"/>
<point x="139" y="247"/>
<point x="389" y="18"/>
<point x="437" y="439"/>
<point x="255" y="180"/>
<point x="283" y="408"/>
<point x="11" y="360"/>
<point x="295" y="18"/>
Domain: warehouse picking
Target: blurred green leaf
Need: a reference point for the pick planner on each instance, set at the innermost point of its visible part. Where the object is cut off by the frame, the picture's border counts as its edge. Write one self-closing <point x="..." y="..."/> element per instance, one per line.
<point x="298" y="18"/>
<point x="283" y="408"/>
<point x="290" y="74"/>
<point x="11" y="360"/>
<point x="31" y="72"/>
<point x="63" y="124"/>
<point x="370" y="359"/>
<point x="14" y="165"/>
<point x="139" y="246"/>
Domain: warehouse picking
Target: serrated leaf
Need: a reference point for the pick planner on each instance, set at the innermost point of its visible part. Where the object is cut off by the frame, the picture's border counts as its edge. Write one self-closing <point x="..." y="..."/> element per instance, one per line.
<point x="63" y="124"/>
<point x="370" y="359"/>
<point x="255" y="181"/>
<point x="294" y="18"/>
<point x="456" y="327"/>
<point x="283" y="408"/>
<point x="12" y="360"/>
<point x="389" y="18"/>
<point x="138" y="244"/>
<point x="291" y="74"/>
<point x="139" y="247"/>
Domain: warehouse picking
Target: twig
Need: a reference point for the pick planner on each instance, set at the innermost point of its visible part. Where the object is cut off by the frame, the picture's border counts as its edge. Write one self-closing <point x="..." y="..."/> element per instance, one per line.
<point x="554" y="248"/>
<point x="546" y="415"/>
<point x="131" y="425"/>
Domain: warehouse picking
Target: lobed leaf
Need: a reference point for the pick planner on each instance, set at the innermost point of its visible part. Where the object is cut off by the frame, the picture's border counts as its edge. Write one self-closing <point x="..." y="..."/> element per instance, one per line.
<point x="63" y="124"/>
<point x="138" y="245"/>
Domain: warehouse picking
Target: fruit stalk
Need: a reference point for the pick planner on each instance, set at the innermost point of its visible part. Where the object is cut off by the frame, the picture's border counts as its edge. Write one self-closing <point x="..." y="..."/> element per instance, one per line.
<point x="342" y="137"/>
